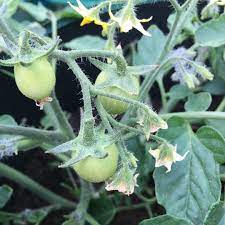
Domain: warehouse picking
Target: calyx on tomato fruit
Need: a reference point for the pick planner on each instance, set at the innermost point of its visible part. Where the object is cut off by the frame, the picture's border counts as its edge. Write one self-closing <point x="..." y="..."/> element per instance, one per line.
<point x="93" y="162"/>
<point x="36" y="81"/>
<point x="126" y="86"/>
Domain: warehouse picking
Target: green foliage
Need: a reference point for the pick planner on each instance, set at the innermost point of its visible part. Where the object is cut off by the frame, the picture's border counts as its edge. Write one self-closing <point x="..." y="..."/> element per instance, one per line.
<point x="129" y="144"/>
<point x="148" y="49"/>
<point x="164" y="220"/>
<point x="106" y="209"/>
<point x="198" y="102"/>
<point x="179" y="92"/>
<point x="5" y="194"/>
<point x="90" y="42"/>
<point x="183" y="187"/>
<point x="216" y="215"/>
<point x="214" y="141"/>
<point x="211" y="33"/>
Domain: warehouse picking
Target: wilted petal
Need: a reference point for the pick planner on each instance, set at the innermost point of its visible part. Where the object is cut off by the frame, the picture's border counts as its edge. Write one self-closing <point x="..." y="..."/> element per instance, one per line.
<point x="123" y="181"/>
<point x="168" y="165"/>
<point x="140" y="28"/>
<point x="178" y="157"/>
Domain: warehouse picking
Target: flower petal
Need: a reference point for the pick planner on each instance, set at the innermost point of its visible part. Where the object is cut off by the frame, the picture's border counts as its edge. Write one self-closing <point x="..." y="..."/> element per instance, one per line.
<point x="155" y="153"/>
<point x="140" y="28"/>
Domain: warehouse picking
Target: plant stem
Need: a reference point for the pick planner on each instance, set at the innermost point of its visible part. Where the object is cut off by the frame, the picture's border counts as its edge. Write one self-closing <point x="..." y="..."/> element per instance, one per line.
<point x="131" y="207"/>
<point x="38" y="134"/>
<point x="119" y="59"/>
<point x="221" y="106"/>
<point x="103" y="114"/>
<point x="170" y="42"/>
<point x="91" y="220"/>
<point x="81" y="211"/>
<point x="96" y="91"/>
<point x="196" y="115"/>
<point x="28" y="144"/>
<point x="4" y="28"/>
<point x="34" y="187"/>
<point x="175" y="5"/>
<point x="163" y="94"/>
<point x="88" y="119"/>
<point x="56" y="113"/>
<point x="133" y="130"/>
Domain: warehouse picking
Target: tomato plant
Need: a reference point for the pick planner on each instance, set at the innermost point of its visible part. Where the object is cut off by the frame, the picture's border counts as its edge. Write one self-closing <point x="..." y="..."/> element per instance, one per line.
<point x="142" y="145"/>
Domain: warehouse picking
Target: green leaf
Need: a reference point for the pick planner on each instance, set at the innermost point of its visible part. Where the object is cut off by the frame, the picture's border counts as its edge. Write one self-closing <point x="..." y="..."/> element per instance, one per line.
<point x="87" y="42"/>
<point x="193" y="185"/>
<point x="214" y="141"/>
<point x="165" y="220"/>
<point x="38" y="12"/>
<point x="198" y="102"/>
<point x="216" y="215"/>
<point x="102" y="209"/>
<point x="5" y="194"/>
<point x="215" y="87"/>
<point x="149" y="48"/>
<point x="218" y="65"/>
<point x="211" y="33"/>
<point x="218" y="125"/>
<point x="35" y="216"/>
<point x="179" y="92"/>
<point x="7" y="120"/>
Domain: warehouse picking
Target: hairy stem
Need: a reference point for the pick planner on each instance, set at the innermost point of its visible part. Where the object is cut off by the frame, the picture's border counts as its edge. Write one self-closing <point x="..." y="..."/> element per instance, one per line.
<point x="119" y="59"/>
<point x="196" y="115"/>
<point x="38" y="134"/>
<point x="56" y="113"/>
<point x="34" y="187"/>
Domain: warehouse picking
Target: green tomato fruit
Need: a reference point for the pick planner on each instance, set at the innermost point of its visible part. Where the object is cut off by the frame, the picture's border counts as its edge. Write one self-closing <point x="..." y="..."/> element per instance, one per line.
<point x="113" y="106"/>
<point x="37" y="80"/>
<point x="98" y="170"/>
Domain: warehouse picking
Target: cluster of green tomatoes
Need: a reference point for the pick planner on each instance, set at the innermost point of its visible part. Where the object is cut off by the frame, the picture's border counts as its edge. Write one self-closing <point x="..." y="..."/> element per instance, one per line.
<point x="37" y="80"/>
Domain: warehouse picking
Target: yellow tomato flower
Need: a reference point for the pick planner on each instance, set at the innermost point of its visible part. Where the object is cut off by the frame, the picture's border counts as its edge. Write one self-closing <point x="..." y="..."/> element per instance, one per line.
<point x="89" y="15"/>
<point x="166" y="155"/>
<point x="128" y="20"/>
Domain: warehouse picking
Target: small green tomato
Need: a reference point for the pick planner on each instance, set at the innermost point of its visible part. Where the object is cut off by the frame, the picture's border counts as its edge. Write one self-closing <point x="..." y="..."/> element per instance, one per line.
<point x="113" y="106"/>
<point x="98" y="170"/>
<point x="37" y="80"/>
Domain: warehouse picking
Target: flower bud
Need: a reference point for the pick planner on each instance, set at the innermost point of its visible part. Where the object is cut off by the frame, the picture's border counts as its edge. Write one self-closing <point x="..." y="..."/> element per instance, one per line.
<point x="125" y="180"/>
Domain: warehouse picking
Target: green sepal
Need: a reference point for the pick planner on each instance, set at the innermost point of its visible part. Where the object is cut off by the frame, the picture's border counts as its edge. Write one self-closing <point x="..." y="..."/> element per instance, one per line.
<point x="150" y="122"/>
<point x="141" y="70"/>
<point x="9" y="62"/>
<point x="9" y="45"/>
<point x="81" y="151"/>
<point x="125" y="82"/>
<point x="134" y="70"/>
<point x="30" y="48"/>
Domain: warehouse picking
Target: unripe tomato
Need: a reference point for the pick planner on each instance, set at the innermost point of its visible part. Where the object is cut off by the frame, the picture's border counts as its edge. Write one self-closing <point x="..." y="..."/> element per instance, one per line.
<point x="98" y="170"/>
<point x="37" y="80"/>
<point x="113" y="106"/>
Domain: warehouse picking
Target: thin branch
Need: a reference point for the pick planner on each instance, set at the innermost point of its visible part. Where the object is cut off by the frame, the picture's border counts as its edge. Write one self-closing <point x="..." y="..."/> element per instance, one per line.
<point x="38" y="134"/>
